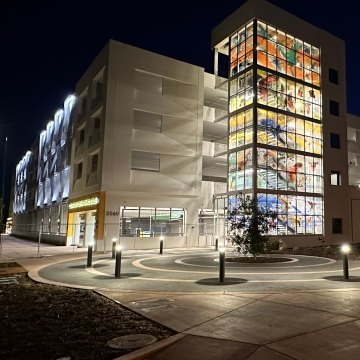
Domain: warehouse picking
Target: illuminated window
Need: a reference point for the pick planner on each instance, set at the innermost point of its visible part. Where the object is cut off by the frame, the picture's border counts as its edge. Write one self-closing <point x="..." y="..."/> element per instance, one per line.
<point x="284" y="131"/>
<point x="334" y="108"/>
<point x="337" y="226"/>
<point x="141" y="160"/>
<point x="335" y="178"/>
<point x="335" y="141"/>
<point x="333" y="76"/>
<point x="150" y="221"/>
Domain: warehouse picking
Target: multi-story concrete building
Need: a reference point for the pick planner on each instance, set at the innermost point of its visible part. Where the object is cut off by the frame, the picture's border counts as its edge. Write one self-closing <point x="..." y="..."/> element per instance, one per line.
<point x="161" y="148"/>
<point x="138" y="149"/>
<point x="287" y="102"/>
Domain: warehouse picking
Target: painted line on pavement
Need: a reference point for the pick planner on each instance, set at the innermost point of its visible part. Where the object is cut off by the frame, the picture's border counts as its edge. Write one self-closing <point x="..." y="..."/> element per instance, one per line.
<point x="137" y="263"/>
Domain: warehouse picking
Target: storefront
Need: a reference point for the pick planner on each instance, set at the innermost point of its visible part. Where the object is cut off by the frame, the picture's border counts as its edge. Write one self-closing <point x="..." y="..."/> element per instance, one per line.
<point x="86" y="220"/>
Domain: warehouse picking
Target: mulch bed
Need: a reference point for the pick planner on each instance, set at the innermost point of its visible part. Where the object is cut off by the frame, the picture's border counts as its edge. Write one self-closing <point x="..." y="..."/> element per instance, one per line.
<point x="40" y="321"/>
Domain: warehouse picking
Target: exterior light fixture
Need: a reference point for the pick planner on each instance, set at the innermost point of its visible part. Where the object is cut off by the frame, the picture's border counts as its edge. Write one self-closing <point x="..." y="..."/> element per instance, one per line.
<point x="161" y="244"/>
<point x="114" y="240"/>
<point x="118" y="249"/>
<point x="222" y="264"/>
<point x="216" y="243"/>
<point x="345" y="249"/>
<point x="89" y="254"/>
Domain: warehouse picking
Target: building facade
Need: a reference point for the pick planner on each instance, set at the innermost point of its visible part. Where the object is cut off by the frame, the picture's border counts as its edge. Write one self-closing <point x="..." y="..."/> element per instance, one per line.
<point x="283" y="109"/>
<point x="154" y="147"/>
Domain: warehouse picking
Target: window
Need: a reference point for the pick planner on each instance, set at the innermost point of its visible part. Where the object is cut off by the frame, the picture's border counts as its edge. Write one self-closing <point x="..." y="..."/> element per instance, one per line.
<point x="81" y="136"/>
<point x="97" y="123"/>
<point x="79" y="171"/>
<point x="147" y="121"/>
<point x="337" y="226"/>
<point x="335" y="178"/>
<point x="83" y="104"/>
<point x="149" y="221"/>
<point x="333" y="76"/>
<point x="148" y="82"/>
<point x="334" y="108"/>
<point x="335" y="141"/>
<point x="141" y="160"/>
<point x="94" y="163"/>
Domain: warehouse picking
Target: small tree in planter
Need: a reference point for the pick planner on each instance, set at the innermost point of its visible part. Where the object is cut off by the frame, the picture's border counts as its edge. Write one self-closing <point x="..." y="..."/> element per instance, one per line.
<point x="249" y="226"/>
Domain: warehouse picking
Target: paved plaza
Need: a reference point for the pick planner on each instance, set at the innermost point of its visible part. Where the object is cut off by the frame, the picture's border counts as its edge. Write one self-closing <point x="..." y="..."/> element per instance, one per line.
<point x="298" y="309"/>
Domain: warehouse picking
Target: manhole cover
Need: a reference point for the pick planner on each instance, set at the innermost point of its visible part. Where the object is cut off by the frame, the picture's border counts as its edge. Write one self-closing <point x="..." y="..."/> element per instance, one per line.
<point x="131" y="341"/>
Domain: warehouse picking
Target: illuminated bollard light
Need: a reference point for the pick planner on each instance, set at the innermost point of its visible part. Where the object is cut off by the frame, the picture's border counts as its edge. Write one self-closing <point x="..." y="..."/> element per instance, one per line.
<point x="222" y="264"/>
<point x="118" y="250"/>
<point x="161" y="244"/>
<point x="113" y="248"/>
<point x="216" y="244"/>
<point x="89" y="254"/>
<point x="345" y="249"/>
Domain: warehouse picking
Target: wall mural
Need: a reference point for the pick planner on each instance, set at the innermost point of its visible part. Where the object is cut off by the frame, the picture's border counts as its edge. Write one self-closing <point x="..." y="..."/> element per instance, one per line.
<point x="284" y="156"/>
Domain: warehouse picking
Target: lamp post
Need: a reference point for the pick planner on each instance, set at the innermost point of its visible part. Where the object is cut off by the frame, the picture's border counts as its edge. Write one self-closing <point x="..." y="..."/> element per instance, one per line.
<point x="113" y="247"/>
<point x="118" y="250"/>
<point x="4" y="171"/>
<point x="40" y="233"/>
<point x="345" y="249"/>
<point x="222" y="264"/>
<point x="161" y="244"/>
<point x="89" y="254"/>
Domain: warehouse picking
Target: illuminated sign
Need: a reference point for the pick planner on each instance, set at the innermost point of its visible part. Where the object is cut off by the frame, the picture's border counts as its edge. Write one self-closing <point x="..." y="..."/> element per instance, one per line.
<point x="84" y="203"/>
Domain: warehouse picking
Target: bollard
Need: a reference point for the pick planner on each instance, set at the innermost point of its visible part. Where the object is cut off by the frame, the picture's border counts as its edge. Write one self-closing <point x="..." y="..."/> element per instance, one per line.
<point x="118" y="261"/>
<point x="89" y="254"/>
<point x="222" y="264"/>
<point x="216" y="244"/>
<point x="161" y="244"/>
<point x="345" y="249"/>
<point x="113" y="248"/>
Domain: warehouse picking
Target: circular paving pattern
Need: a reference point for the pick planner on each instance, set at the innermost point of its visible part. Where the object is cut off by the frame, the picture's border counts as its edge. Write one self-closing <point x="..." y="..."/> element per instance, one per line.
<point x="198" y="271"/>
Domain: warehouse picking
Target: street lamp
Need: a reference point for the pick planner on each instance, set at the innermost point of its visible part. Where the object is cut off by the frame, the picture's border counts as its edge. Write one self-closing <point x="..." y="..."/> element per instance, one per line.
<point x="118" y="250"/>
<point x="222" y="264"/>
<point x="345" y="249"/>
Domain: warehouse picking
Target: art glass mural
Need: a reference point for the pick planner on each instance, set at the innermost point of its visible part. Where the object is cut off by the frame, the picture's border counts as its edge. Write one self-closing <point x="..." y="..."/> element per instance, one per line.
<point x="275" y="126"/>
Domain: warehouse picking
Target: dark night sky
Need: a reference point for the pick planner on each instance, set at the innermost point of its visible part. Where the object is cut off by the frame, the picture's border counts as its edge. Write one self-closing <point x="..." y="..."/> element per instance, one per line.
<point x="46" y="46"/>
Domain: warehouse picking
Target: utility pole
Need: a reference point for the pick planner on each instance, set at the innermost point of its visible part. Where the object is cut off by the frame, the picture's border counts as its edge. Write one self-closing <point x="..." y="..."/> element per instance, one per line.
<point x="3" y="182"/>
<point x="4" y="169"/>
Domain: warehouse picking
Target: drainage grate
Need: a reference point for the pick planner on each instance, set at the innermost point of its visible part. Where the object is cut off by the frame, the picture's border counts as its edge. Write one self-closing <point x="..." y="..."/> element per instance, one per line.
<point x="147" y="305"/>
<point x="8" y="280"/>
<point x="133" y="341"/>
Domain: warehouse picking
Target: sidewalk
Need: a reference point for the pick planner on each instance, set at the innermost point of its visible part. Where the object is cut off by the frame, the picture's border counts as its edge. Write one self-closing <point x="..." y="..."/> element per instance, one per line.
<point x="270" y="325"/>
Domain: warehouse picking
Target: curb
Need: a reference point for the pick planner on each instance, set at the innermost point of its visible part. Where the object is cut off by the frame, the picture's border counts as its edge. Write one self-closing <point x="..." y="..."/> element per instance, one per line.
<point x="150" y="349"/>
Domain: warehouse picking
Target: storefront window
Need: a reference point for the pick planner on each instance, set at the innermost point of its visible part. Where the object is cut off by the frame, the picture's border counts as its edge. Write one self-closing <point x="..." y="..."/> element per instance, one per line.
<point x="148" y="222"/>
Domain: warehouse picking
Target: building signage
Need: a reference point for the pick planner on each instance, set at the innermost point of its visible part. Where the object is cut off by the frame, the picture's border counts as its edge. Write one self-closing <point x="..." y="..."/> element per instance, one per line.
<point x="112" y="213"/>
<point x="84" y="203"/>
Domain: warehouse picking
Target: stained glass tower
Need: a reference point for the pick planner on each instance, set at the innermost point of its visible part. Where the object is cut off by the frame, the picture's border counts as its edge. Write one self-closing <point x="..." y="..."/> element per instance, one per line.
<point x="275" y="125"/>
